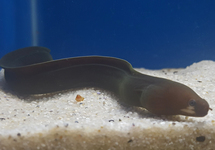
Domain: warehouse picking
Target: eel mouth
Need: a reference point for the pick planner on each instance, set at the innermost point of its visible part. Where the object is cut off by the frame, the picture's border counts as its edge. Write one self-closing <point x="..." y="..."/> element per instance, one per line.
<point x="197" y="112"/>
<point x="190" y="111"/>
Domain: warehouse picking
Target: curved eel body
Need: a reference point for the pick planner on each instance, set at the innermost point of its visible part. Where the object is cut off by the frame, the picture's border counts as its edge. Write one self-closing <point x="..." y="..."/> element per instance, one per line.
<point x="32" y="70"/>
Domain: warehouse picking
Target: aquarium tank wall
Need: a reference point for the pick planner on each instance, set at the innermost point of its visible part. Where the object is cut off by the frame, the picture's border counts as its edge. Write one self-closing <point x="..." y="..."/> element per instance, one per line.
<point x="149" y="34"/>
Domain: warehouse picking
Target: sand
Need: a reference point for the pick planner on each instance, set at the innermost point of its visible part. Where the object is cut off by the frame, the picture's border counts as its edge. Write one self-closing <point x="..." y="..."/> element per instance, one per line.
<point x="58" y="121"/>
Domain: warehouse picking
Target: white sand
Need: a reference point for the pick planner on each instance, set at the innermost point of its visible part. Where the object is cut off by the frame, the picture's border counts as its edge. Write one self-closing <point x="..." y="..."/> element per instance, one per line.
<point x="100" y="122"/>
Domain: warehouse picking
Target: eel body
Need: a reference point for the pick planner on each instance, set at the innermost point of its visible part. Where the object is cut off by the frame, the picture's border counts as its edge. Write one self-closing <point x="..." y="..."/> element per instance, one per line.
<point x="32" y="70"/>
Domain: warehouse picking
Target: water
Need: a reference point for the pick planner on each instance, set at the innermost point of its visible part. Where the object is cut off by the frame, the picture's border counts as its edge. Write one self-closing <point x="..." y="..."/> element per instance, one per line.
<point x="152" y="34"/>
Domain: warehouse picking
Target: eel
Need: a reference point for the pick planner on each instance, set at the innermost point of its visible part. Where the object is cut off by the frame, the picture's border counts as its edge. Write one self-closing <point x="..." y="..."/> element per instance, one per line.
<point x="31" y="70"/>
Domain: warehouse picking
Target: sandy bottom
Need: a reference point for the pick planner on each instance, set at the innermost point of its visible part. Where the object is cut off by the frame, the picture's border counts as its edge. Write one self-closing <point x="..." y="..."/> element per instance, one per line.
<point x="58" y="121"/>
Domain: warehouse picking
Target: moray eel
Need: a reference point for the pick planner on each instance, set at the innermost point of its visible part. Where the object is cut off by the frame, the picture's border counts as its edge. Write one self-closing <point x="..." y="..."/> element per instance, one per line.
<point x="32" y="70"/>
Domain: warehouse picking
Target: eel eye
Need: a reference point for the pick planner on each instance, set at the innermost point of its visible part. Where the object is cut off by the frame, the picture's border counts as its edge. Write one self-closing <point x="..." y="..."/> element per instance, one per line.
<point x="192" y="103"/>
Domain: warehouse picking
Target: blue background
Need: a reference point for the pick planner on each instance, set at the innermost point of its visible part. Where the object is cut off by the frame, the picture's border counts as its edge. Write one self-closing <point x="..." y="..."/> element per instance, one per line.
<point x="152" y="34"/>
